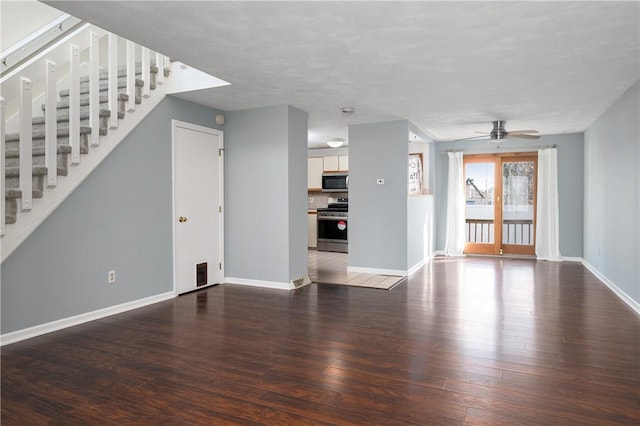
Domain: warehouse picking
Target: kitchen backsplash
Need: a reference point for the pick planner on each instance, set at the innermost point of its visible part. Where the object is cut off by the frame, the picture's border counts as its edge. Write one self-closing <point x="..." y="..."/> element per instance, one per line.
<point x="321" y="199"/>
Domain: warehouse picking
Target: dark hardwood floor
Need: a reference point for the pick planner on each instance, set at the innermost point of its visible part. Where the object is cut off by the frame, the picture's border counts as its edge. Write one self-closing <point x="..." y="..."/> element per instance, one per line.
<point x="473" y="341"/>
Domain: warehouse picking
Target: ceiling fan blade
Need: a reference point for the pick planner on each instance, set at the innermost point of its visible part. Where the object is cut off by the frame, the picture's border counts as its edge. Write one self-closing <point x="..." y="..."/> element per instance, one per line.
<point x="483" y="133"/>
<point x="472" y="137"/>
<point x="522" y="132"/>
<point x="524" y="136"/>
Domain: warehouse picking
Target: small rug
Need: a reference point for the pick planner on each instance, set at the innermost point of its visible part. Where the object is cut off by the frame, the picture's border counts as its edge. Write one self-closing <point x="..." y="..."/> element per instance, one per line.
<point x="380" y="282"/>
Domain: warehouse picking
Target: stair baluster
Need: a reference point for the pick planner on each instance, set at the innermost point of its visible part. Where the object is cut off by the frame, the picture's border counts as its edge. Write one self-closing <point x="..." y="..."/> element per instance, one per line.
<point x="113" y="80"/>
<point x="131" y="76"/>
<point x="50" y="122"/>
<point x="74" y="104"/>
<point x="94" y="88"/>
<point x="146" y="72"/>
<point x="160" y="65"/>
<point x="26" y="146"/>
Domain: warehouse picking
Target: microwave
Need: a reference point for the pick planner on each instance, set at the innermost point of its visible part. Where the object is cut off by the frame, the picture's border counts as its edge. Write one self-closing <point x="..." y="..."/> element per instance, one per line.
<point x="335" y="182"/>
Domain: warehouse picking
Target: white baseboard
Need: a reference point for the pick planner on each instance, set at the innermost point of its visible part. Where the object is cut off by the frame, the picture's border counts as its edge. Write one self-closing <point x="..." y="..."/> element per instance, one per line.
<point x="38" y="330"/>
<point x="377" y="271"/>
<point x="258" y="283"/>
<point x="571" y="259"/>
<point x="417" y="266"/>
<point x="618" y="292"/>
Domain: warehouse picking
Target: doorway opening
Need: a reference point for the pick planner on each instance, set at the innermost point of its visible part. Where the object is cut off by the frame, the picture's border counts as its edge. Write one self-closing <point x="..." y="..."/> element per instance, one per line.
<point x="500" y="210"/>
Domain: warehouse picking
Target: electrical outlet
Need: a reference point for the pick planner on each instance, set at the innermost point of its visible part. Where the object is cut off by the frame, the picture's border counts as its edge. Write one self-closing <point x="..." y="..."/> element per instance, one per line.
<point x="380" y="181"/>
<point x="111" y="277"/>
<point x="311" y="199"/>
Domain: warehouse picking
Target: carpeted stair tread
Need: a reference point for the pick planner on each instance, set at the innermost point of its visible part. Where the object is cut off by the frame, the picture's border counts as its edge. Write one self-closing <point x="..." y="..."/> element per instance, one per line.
<point x="37" y="151"/>
<point x="64" y="116"/>
<point x="104" y="99"/>
<point x="12" y="193"/>
<point x="15" y="171"/>
<point x="84" y="87"/>
<point x="62" y="132"/>
<point x="35" y="193"/>
<point x="122" y="72"/>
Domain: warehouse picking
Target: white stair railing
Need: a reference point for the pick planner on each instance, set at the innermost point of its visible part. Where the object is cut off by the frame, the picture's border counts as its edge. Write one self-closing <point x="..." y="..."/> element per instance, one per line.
<point x="43" y="71"/>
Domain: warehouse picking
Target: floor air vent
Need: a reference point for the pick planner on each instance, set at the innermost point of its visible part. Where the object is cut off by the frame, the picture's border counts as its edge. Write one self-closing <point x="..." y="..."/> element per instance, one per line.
<point x="300" y="282"/>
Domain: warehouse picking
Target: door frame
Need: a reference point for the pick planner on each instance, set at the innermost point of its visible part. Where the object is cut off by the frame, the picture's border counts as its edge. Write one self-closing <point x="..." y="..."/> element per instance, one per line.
<point x="220" y="158"/>
<point x="487" y="248"/>
<point x="498" y="159"/>
<point x="523" y="157"/>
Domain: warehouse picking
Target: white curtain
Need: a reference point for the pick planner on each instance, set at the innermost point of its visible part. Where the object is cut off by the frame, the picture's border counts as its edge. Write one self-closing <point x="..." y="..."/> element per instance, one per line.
<point x="547" y="219"/>
<point x="454" y="245"/>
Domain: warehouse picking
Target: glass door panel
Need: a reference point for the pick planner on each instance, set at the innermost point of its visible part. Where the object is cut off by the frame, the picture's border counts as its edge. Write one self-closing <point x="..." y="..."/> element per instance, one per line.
<point x="518" y="206"/>
<point x="480" y="209"/>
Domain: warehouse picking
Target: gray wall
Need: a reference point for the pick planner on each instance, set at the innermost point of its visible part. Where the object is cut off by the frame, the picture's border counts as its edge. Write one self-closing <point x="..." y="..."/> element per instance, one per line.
<point x="570" y="183"/>
<point x="298" y="134"/>
<point x="265" y="192"/>
<point x="418" y="229"/>
<point x="119" y="218"/>
<point x="612" y="200"/>
<point x="378" y="213"/>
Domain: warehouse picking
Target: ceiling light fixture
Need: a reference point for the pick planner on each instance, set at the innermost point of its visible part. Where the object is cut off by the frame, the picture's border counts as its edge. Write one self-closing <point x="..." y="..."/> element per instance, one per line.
<point x="335" y="143"/>
<point x="348" y="110"/>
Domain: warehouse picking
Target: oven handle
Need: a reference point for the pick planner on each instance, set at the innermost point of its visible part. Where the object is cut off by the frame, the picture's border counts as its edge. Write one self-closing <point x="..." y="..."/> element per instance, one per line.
<point x="336" y="218"/>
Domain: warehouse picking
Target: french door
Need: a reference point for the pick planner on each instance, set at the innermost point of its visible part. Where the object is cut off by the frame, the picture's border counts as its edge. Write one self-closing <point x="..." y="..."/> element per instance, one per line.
<point x="500" y="203"/>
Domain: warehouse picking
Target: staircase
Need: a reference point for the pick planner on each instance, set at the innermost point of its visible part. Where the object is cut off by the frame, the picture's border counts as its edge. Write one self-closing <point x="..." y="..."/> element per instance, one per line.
<point x="59" y="138"/>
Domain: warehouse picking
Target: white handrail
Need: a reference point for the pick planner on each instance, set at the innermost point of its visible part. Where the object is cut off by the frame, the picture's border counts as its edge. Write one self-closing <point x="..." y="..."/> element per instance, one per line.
<point x="38" y="40"/>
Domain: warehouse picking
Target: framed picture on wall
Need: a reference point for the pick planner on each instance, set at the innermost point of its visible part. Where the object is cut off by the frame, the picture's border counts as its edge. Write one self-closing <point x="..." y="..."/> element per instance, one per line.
<point x="415" y="174"/>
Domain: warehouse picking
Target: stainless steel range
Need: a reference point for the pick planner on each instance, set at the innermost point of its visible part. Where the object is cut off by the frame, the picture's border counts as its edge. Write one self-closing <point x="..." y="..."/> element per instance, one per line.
<point x="333" y="226"/>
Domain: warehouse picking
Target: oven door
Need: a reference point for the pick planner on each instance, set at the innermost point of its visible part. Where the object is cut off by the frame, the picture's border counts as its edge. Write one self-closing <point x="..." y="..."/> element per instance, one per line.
<point x="332" y="229"/>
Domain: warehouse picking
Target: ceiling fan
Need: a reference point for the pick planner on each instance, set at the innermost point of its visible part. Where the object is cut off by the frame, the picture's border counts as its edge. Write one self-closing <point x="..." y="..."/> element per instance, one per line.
<point x="500" y="134"/>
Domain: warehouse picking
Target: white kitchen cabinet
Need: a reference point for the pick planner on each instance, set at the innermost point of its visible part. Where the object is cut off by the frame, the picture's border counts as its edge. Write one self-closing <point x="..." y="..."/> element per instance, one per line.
<point x="336" y="163"/>
<point x="343" y="163"/>
<point x="312" y="229"/>
<point x="331" y="164"/>
<point x="314" y="173"/>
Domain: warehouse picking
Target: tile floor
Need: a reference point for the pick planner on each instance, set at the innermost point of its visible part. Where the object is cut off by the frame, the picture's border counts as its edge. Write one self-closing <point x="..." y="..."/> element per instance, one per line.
<point x="331" y="268"/>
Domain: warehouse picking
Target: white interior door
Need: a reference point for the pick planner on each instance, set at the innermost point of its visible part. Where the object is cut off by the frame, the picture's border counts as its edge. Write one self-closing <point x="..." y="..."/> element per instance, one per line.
<point x="197" y="198"/>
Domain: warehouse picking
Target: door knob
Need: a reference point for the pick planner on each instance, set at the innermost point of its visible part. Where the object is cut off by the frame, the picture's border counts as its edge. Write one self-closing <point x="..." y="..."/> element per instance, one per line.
<point x="182" y="219"/>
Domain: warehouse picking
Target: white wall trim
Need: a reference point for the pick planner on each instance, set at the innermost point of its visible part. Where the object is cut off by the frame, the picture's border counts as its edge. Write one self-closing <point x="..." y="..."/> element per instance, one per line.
<point x="377" y="271"/>
<point x="417" y="266"/>
<point x="618" y="292"/>
<point x="38" y="330"/>
<point x="571" y="259"/>
<point x="258" y="283"/>
<point x="437" y="253"/>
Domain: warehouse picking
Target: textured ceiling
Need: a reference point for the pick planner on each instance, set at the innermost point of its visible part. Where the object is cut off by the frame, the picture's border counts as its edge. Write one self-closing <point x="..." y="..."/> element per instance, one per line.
<point x="449" y="67"/>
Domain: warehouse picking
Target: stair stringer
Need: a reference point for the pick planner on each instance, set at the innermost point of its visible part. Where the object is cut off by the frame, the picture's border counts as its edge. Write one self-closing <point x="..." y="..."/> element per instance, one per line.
<point x="28" y="222"/>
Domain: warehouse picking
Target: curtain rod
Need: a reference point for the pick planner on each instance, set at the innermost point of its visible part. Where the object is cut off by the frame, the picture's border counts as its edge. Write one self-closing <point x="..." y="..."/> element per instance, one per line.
<point x="499" y="148"/>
